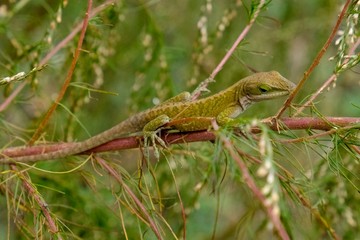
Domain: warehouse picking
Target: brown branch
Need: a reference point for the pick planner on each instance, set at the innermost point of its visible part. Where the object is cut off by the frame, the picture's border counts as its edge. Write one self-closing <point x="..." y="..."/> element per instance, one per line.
<point x="51" y="223"/>
<point x="330" y="124"/>
<point x="54" y="50"/>
<point x="302" y="198"/>
<point x="314" y="211"/>
<point x="235" y="153"/>
<point x="314" y="123"/>
<point x="241" y="36"/>
<point x="72" y="34"/>
<point x="316" y="60"/>
<point x="237" y="41"/>
<point x="12" y="96"/>
<point x="275" y="219"/>
<point x="66" y="84"/>
<point x="327" y="83"/>
<point x="132" y="195"/>
<point x="356" y="149"/>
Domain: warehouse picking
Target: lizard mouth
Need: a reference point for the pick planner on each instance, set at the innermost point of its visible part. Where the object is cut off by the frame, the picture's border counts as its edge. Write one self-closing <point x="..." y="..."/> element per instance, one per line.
<point x="268" y="96"/>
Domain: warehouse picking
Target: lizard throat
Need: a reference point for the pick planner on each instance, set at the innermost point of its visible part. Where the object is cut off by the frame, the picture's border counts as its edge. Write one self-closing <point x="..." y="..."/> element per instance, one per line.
<point x="245" y="102"/>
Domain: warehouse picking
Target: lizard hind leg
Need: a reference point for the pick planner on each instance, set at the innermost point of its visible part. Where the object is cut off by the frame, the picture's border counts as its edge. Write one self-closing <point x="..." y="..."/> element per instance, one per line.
<point x="150" y="131"/>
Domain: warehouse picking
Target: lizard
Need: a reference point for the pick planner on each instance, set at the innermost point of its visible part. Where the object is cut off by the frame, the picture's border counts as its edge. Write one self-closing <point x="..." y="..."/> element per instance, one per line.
<point x="223" y="106"/>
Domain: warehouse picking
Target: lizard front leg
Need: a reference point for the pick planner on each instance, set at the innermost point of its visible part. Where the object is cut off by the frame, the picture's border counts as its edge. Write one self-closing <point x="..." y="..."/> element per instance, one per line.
<point x="150" y="130"/>
<point x="228" y="115"/>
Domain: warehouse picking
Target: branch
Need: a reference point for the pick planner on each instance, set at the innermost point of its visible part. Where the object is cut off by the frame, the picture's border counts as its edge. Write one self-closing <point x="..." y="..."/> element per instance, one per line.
<point x="330" y="124"/>
<point x="218" y="68"/>
<point x="32" y="191"/>
<point x="327" y="83"/>
<point x="67" y="81"/>
<point x="269" y="208"/>
<point x="316" y="60"/>
<point x="142" y="209"/>
<point x="57" y="48"/>
<point x="249" y="180"/>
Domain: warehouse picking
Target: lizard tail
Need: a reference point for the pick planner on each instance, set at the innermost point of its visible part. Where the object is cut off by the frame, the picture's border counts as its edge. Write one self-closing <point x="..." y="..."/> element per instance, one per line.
<point x="70" y="149"/>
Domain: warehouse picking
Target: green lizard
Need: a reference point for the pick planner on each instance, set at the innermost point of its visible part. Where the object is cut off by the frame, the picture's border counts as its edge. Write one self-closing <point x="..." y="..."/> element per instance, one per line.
<point x="223" y="107"/>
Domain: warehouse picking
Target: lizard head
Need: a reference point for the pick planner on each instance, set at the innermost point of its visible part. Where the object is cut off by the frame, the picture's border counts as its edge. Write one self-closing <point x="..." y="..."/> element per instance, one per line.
<point x="266" y="85"/>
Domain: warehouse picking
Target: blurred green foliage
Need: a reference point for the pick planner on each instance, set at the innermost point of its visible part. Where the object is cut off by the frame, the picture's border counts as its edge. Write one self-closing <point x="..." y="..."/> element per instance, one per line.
<point x="145" y="52"/>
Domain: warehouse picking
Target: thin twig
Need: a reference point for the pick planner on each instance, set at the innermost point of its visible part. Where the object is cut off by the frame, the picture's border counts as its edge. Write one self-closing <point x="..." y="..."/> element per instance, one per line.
<point x="231" y="51"/>
<point x="53" y="51"/>
<point x="38" y="199"/>
<point x="138" y="203"/>
<point x="316" y="60"/>
<point x="327" y="83"/>
<point x="315" y="212"/>
<point x="254" y="188"/>
<point x="66" y="84"/>
<point x="73" y="33"/>
<point x="238" y="40"/>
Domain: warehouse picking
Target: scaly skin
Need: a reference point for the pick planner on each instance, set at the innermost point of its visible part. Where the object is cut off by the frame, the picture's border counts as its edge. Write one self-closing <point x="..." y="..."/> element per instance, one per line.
<point x="223" y="106"/>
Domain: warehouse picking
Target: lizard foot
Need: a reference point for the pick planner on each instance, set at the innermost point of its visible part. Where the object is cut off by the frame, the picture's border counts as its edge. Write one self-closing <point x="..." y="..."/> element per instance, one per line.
<point x="152" y="139"/>
<point x="150" y="132"/>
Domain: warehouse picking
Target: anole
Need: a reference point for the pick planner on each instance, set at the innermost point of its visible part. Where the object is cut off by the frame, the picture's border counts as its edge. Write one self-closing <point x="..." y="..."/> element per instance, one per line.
<point x="224" y="107"/>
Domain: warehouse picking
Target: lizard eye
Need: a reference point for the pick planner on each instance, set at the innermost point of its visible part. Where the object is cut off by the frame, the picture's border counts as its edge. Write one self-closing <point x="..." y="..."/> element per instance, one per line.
<point x="264" y="88"/>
